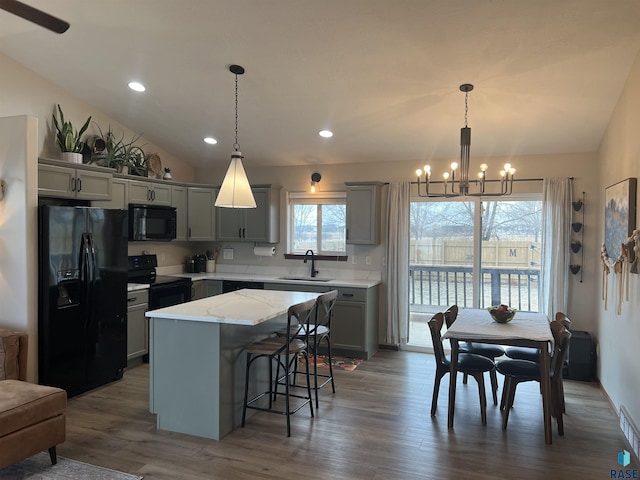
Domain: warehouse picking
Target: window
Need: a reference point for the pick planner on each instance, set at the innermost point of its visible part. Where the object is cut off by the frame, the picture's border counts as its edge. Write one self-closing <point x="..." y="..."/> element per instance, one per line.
<point x="474" y="254"/>
<point x="317" y="223"/>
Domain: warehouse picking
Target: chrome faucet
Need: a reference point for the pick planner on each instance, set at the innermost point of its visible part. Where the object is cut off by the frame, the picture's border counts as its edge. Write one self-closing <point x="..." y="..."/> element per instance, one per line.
<point x="314" y="272"/>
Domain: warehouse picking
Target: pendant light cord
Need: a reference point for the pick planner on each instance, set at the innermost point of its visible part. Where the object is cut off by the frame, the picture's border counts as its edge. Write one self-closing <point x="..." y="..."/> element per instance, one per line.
<point x="236" y="145"/>
<point x="466" y="108"/>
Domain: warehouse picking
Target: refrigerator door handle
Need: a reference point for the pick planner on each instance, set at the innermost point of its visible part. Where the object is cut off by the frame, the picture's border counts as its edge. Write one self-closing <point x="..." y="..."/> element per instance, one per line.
<point x="91" y="256"/>
<point x="85" y="276"/>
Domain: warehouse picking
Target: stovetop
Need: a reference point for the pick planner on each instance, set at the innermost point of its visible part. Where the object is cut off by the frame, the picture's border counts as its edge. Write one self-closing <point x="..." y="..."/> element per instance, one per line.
<point x="142" y="269"/>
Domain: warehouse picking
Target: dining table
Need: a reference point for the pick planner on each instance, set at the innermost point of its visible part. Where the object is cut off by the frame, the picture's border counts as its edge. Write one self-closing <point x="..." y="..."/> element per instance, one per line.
<point x="526" y="329"/>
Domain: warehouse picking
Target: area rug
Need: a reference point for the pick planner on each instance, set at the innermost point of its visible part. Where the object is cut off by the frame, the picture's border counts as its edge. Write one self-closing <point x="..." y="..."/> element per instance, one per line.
<point x="343" y="363"/>
<point x="39" y="467"/>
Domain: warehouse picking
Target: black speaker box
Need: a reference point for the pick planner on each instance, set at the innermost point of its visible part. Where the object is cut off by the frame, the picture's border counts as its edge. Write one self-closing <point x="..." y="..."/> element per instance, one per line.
<point x="582" y="357"/>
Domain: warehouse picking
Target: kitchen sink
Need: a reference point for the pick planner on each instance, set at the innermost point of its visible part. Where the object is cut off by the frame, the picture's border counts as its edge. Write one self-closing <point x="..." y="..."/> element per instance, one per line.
<point x="307" y="279"/>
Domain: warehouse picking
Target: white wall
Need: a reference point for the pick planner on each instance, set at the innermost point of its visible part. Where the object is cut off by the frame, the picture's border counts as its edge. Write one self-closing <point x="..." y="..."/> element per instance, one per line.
<point x="619" y="335"/>
<point x="18" y="231"/>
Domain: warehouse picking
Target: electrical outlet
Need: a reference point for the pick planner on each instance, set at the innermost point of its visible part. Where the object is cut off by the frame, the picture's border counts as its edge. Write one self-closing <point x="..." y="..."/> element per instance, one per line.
<point x="354" y="260"/>
<point x="227" y="253"/>
<point x="367" y="259"/>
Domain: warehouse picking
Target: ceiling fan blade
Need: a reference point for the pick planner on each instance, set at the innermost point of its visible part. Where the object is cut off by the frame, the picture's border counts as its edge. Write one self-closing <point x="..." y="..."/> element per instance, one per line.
<point x="34" y="15"/>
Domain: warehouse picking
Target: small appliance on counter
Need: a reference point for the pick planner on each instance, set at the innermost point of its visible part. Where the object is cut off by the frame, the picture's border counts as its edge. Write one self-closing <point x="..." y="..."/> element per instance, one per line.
<point x="196" y="264"/>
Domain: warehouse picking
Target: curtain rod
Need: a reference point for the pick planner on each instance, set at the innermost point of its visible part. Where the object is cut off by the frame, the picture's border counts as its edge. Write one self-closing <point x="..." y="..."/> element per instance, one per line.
<point x="490" y="181"/>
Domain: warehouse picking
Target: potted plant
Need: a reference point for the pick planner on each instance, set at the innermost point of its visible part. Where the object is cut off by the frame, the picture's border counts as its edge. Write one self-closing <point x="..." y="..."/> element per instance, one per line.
<point x="69" y="139"/>
<point x="137" y="162"/>
<point x="119" y="154"/>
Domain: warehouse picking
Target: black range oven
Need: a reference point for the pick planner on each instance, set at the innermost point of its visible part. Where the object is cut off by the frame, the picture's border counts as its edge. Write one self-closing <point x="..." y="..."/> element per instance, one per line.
<point x="164" y="291"/>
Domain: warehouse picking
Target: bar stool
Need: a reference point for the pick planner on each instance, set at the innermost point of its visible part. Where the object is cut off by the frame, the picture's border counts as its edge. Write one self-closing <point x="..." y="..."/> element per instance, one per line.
<point x="284" y="350"/>
<point x="319" y="332"/>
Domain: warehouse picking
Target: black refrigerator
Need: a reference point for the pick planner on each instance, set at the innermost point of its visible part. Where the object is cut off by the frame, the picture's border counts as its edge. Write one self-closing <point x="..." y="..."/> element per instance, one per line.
<point x="82" y="308"/>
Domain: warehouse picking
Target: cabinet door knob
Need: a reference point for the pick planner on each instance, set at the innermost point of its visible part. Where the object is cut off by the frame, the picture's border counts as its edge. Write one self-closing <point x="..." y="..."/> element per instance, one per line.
<point x="79" y="183"/>
<point x="348" y="295"/>
<point x="73" y="184"/>
<point x="132" y="299"/>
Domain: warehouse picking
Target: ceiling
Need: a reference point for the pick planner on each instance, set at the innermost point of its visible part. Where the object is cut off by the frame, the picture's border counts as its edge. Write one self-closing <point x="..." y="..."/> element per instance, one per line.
<point x="384" y="75"/>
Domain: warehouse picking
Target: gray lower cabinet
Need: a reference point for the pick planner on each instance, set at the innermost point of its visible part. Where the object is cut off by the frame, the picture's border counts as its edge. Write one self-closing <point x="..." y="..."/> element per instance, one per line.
<point x="354" y="331"/>
<point x="64" y="182"/>
<point x="197" y="289"/>
<point x="212" y="287"/>
<point x="205" y="288"/>
<point x="137" y="324"/>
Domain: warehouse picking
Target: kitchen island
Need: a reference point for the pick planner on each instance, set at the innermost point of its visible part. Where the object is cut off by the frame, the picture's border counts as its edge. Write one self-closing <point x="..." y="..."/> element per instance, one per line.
<point x="197" y="360"/>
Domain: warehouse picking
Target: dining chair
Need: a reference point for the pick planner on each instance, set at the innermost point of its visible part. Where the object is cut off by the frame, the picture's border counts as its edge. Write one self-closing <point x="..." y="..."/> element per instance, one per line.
<point x="533" y="354"/>
<point x="518" y="371"/>
<point x="317" y="333"/>
<point x="485" y="349"/>
<point x="284" y="351"/>
<point x="468" y="363"/>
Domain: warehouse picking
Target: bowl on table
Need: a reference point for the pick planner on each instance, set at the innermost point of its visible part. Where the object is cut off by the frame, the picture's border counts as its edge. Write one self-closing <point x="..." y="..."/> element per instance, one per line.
<point x="502" y="313"/>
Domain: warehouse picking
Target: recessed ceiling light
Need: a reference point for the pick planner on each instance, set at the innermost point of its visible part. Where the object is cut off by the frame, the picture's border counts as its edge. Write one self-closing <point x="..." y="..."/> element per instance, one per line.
<point x="137" y="86"/>
<point x="325" y="133"/>
<point x="210" y="140"/>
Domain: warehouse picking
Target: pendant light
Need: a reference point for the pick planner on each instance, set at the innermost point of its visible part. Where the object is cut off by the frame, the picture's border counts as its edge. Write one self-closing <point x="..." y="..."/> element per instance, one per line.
<point x="235" y="191"/>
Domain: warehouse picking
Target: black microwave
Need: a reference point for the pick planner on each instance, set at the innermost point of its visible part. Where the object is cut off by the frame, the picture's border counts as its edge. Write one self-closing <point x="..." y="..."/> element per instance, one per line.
<point x="155" y="223"/>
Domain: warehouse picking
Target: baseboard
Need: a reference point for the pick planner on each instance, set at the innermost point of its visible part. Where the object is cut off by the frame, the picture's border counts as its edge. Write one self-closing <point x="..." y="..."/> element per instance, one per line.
<point x="630" y="431"/>
<point x="387" y="346"/>
<point x="628" y="427"/>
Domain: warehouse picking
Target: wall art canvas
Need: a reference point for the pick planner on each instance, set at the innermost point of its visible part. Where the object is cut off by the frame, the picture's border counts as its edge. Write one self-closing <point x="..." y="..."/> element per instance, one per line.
<point x="619" y="216"/>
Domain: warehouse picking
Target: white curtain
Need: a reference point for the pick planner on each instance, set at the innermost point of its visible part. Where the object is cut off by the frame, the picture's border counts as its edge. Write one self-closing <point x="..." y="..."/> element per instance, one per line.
<point x="397" y="240"/>
<point x="556" y="240"/>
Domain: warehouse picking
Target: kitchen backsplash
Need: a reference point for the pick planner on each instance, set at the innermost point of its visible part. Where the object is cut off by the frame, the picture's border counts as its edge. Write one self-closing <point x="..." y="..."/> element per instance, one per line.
<point x="171" y="260"/>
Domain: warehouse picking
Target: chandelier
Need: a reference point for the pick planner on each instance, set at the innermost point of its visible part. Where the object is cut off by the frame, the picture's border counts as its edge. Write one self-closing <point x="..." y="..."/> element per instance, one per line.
<point x="457" y="183"/>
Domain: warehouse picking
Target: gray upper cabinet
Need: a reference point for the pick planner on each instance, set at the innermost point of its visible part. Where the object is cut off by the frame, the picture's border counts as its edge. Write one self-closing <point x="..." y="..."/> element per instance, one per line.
<point x="149" y="193"/>
<point x="201" y="214"/>
<point x="363" y="213"/>
<point x="118" y="196"/>
<point x="66" y="182"/>
<point x="179" y="199"/>
<point x="260" y="224"/>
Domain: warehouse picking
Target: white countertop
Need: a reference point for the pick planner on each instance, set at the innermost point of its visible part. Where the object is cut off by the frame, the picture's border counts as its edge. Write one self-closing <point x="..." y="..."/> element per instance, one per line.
<point x="241" y="307"/>
<point x="320" y="281"/>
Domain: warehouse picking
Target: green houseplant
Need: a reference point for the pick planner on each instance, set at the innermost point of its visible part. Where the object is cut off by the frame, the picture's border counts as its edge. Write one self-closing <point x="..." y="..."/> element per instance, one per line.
<point x="68" y="138"/>
<point x="119" y="154"/>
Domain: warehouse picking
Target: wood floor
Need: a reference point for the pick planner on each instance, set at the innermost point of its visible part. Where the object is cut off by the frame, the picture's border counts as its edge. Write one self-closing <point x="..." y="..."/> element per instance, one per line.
<point x="377" y="426"/>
